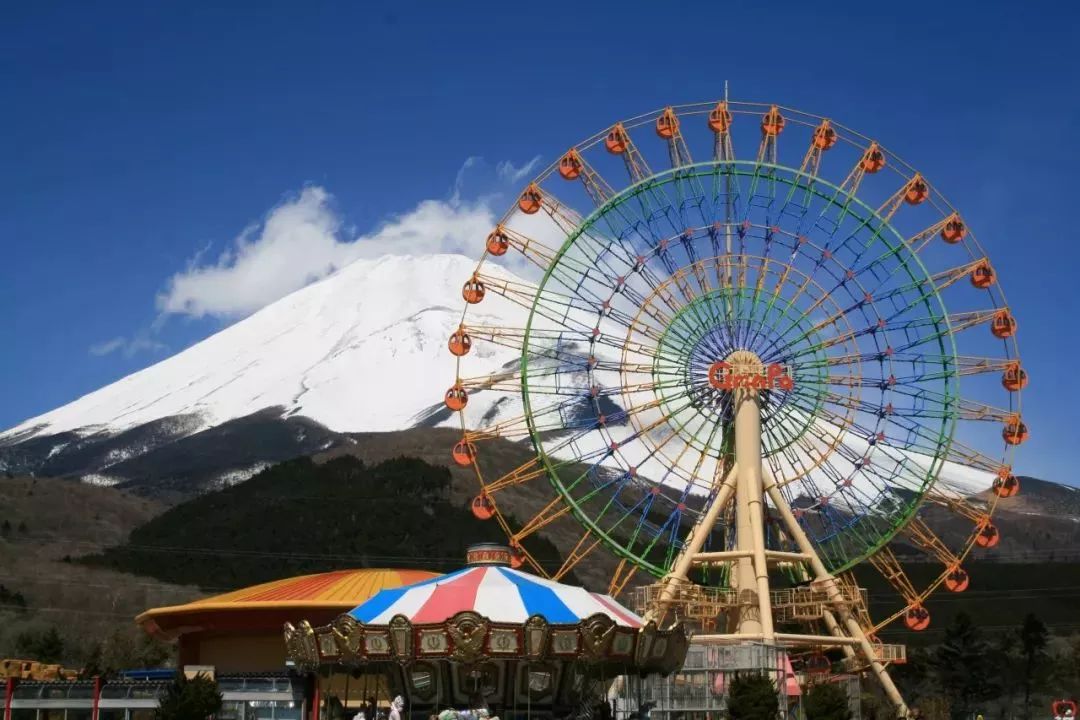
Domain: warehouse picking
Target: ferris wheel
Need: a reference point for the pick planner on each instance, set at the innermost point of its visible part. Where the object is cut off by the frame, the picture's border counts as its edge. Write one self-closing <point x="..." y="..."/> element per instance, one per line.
<point x="745" y="342"/>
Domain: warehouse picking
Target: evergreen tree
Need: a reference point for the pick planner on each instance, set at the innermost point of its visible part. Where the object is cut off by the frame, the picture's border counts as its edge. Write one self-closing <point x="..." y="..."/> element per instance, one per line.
<point x="189" y="699"/>
<point x="826" y="701"/>
<point x="913" y="678"/>
<point x="936" y="707"/>
<point x="44" y="646"/>
<point x="1005" y="663"/>
<point x="1071" y="665"/>
<point x="871" y="706"/>
<point x="94" y="666"/>
<point x="962" y="667"/>
<point x="1033" y="641"/>
<point x="752" y="697"/>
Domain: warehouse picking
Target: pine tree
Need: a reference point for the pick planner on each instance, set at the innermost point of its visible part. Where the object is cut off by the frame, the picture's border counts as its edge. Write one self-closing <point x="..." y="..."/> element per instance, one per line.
<point x="95" y="663"/>
<point x="44" y="646"/>
<point x="189" y="699"/>
<point x="1033" y="641"/>
<point x="826" y="701"/>
<point x="962" y="666"/>
<point x="752" y="697"/>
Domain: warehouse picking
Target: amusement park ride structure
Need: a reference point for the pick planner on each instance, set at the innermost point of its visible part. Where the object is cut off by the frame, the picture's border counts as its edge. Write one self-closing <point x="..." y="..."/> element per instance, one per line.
<point x="743" y="377"/>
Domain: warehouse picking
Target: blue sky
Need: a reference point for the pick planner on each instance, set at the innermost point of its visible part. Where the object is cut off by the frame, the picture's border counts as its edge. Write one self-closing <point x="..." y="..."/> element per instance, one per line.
<point x="140" y="137"/>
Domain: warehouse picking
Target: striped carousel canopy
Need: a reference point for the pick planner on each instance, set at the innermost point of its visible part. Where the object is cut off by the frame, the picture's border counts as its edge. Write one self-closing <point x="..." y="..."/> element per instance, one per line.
<point x="501" y="594"/>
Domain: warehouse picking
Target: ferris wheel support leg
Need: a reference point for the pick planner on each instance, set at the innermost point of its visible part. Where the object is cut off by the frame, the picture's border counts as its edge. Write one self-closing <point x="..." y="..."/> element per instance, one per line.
<point x="753" y="571"/>
<point x="835" y="630"/>
<point x="830" y="620"/>
<point x="847" y="619"/>
<point x="680" y="571"/>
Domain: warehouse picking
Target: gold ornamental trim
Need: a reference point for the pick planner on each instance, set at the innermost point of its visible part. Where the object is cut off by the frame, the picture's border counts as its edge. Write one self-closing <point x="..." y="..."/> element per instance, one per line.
<point x="470" y="638"/>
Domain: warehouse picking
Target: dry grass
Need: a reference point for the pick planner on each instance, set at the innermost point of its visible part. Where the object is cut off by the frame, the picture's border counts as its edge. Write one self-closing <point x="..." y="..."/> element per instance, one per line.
<point x="50" y="519"/>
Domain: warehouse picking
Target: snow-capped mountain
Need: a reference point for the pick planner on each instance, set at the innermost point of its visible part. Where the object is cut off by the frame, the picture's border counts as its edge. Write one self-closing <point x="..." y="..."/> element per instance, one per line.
<point x="362" y="350"/>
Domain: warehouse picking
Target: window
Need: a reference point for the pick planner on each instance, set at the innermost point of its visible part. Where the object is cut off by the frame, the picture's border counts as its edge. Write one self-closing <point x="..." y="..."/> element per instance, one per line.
<point x="111" y="714"/>
<point x="259" y="711"/>
<point x="231" y="711"/>
<point x="24" y="692"/>
<point x="114" y="692"/>
<point x="284" y="712"/>
<point x="23" y="713"/>
<point x="142" y="714"/>
<point x="146" y="692"/>
<point x="79" y="713"/>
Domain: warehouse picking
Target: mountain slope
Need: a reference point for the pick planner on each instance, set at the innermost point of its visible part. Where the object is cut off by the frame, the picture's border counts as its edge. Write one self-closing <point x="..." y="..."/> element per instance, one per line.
<point x="364" y="349"/>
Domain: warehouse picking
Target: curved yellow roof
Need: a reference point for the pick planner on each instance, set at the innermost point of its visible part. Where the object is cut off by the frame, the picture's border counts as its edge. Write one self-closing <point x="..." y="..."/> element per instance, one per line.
<point x="338" y="591"/>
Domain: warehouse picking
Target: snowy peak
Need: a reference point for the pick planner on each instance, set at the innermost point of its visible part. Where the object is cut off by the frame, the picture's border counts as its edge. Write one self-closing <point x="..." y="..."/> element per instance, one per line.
<point x="363" y="349"/>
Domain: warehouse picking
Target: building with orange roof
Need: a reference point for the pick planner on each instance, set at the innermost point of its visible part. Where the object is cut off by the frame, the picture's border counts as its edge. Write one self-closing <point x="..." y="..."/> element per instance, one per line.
<point x="240" y="631"/>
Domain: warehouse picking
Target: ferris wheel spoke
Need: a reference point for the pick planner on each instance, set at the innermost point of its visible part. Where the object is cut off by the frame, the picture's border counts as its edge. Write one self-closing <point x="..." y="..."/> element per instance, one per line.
<point x="644" y="431"/>
<point x="624" y="571"/>
<point x="555" y="509"/>
<point x="978" y="272"/>
<point x="915" y="184"/>
<point x="965" y="455"/>
<point x="905" y="468"/>
<point x="800" y="467"/>
<point x="540" y="383"/>
<point x="668" y="126"/>
<point x="568" y="413"/>
<point x="524" y="473"/>
<point x="584" y="547"/>
<point x="502" y="239"/>
<point x="573" y="165"/>
<point x="980" y="517"/>
<point x="944" y="365"/>
<point x="871" y="161"/>
<point x="925" y="539"/>
<point x="619" y="143"/>
<point x="524" y="294"/>
<point x="889" y="567"/>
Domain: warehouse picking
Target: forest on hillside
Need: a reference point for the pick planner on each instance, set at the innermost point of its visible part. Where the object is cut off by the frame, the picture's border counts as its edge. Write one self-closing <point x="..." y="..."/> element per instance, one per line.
<point x="301" y="517"/>
<point x="1012" y="672"/>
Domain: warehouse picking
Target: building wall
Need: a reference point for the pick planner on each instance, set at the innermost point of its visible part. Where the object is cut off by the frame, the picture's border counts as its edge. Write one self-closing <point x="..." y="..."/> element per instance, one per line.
<point x="232" y="653"/>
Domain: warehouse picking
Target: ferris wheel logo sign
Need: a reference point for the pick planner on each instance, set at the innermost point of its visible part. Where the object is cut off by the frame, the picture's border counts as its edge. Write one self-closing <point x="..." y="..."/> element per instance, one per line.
<point x="723" y="376"/>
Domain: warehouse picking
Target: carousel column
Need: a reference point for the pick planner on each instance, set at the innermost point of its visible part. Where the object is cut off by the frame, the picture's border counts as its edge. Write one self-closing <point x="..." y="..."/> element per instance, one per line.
<point x="9" y="693"/>
<point x="313" y="696"/>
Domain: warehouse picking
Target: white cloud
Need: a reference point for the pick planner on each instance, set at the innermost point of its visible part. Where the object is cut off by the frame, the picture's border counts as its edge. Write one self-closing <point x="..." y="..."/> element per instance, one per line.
<point x="513" y="175"/>
<point x="303" y="240"/>
<point x="125" y="346"/>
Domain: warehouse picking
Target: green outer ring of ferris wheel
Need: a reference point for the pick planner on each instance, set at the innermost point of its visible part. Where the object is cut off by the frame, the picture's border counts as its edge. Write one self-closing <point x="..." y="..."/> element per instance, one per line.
<point x="797" y="180"/>
<point x="788" y="311"/>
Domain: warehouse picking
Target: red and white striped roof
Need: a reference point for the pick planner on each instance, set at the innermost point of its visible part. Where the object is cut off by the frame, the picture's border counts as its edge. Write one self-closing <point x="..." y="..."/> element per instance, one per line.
<point x="501" y="594"/>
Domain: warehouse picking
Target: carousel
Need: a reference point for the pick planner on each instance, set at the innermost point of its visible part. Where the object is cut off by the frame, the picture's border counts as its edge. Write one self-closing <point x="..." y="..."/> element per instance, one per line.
<point x="487" y="639"/>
